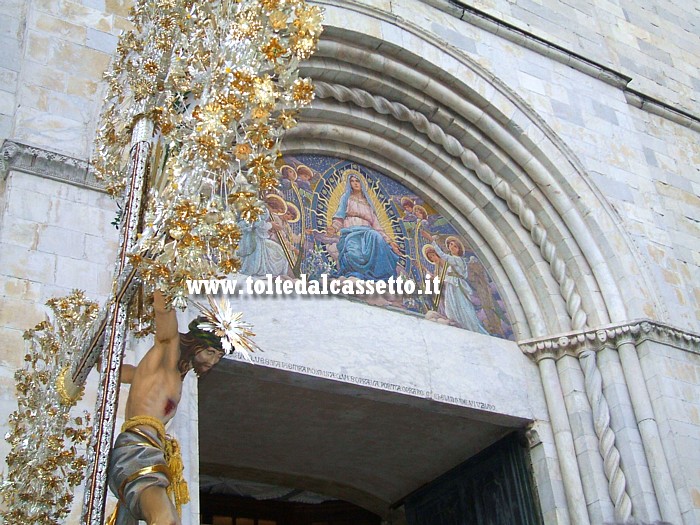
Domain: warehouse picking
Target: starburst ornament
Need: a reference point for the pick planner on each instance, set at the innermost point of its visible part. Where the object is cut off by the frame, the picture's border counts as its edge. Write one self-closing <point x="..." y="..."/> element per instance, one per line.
<point x="236" y="335"/>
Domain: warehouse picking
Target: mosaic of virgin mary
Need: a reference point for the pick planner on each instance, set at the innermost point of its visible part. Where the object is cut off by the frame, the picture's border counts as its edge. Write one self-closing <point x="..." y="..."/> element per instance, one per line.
<point x="336" y="218"/>
<point x="364" y="249"/>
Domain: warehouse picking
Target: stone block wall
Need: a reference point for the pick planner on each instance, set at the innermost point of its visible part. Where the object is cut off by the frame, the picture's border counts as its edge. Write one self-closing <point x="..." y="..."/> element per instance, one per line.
<point x="672" y="374"/>
<point x="656" y="44"/>
<point x="645" y="166"/>
<point x="11" y="42"/>
<point x="55" y="237"/>
<point x="53" y="55"/>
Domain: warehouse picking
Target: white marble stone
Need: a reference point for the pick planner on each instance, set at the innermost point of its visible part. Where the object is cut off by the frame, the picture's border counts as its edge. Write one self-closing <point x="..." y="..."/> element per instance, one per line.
<point x="414" y="356"/>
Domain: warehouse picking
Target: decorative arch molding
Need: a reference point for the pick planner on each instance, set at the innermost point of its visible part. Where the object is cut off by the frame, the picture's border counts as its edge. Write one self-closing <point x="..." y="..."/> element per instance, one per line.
<point x="491" y="156"/>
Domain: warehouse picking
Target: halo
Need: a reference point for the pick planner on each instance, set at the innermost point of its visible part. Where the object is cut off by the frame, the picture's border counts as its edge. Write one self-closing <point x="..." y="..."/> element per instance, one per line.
<point x="350" y="172"/>
<point x="424" y="251"/>
<point x="290" y="171"/>
<point x="222" y="322"/>
<point x="303" y="168"/>
<point x="460" y="244"/>
<point x="418" y="207"/>
<point x="297" y="214"/>
<point x="406" y="199"/>
<point x="337" y="192"/>
<point x="275" y="203"/>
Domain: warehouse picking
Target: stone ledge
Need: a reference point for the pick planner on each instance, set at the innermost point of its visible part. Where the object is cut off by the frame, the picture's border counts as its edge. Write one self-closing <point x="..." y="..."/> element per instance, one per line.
<point x="595" y="339"/>
<point x="483" y="20"/>
<point x="15" y="156"/>
<point x="661" y="109"/>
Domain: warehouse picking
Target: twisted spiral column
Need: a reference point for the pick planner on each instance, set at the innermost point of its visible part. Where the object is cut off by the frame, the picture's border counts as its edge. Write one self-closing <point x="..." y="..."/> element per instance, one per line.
<point x="617" y="482"/>
<point x="469" y="159"/>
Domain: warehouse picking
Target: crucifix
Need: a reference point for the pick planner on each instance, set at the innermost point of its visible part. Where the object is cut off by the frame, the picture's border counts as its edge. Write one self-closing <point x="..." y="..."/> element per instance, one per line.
<point x="199" y="96"/>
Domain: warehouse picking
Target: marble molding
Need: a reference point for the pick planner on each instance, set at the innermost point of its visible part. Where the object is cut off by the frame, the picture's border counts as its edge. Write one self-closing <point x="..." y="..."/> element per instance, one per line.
<point x="574" y="343"/>
<point x="15" y="156"/>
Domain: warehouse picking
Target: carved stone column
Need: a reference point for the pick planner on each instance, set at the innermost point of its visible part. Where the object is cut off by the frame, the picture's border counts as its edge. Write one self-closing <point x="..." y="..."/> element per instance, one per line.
<point x="563" y="439"/>
<point x="616" y="480"/>
<point x="623" y="415"/>
<point x="585" y="407"/>
<point x="600" y="464"/>
<point x="627" y="438"/>
<point x="649" y="430"/>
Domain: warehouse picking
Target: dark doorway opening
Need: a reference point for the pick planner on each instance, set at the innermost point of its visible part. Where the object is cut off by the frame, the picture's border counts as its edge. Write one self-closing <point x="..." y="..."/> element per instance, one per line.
<point x="495" y="487"/>
<point x="224" y="509"/>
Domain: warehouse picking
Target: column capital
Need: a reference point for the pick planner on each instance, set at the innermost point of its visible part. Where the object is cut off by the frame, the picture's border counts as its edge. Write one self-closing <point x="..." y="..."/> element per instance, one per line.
<point x="594" y="339"/>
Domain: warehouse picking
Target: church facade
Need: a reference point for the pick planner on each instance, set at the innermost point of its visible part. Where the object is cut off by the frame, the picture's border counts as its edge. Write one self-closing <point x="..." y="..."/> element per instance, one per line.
<point x="539" y="159"/>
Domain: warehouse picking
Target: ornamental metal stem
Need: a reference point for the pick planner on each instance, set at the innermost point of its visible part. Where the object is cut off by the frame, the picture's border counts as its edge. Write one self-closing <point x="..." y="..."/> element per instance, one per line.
<point x="116" y="330"/>
<point x="218" y="82"/>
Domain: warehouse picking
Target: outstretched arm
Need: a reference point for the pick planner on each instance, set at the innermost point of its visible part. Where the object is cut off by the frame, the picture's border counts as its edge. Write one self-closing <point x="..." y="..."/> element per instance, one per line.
<point x="166" y="320"/>
<point x="167" y="337"/>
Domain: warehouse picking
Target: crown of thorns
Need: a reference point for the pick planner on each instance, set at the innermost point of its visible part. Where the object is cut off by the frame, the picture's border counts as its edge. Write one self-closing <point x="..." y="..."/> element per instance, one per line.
<point x="209" y="339"/>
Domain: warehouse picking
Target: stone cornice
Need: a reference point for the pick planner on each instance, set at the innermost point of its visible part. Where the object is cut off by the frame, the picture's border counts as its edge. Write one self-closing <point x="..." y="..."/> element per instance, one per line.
<point x="15" y="156"/>
<point x="595" y="339"/>
<point x="520" y="36"/>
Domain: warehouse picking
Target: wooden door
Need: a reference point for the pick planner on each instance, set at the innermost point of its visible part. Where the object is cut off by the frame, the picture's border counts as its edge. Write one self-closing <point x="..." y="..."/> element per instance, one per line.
<point x="492" y="488"/>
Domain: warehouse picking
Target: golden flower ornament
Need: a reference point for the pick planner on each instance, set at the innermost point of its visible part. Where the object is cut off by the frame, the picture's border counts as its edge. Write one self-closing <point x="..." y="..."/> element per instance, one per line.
<point x="220" y="82"/>
<point x="45" y="464"/>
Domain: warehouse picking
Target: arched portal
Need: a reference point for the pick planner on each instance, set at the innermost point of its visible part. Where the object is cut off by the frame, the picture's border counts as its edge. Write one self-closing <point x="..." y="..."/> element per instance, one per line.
<point x="393" y="98"/>
<point x="363" y="398"/>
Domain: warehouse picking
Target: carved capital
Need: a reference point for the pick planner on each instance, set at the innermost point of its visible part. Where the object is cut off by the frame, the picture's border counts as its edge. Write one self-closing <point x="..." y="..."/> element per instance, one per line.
<point x="15" y="156"/>
<point x="571" y="343"/>
<point x="532" y="436"/>
<point x="612" y="336"/>
<point x="8" y="151"/>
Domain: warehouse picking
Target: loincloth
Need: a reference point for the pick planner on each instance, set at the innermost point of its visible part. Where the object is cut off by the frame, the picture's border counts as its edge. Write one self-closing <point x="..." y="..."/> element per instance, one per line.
<point x="144" y="457"/>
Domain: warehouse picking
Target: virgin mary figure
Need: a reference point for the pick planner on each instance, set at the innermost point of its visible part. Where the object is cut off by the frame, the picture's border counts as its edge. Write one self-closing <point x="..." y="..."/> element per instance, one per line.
<point x="365" y="250"/>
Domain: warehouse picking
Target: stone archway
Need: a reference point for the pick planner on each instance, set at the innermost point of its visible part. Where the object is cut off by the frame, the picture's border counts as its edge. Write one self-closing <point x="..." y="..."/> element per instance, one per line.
<point x="391" y="96"/>
<point x="446" y="125"/>
<point x="489" y="160"/>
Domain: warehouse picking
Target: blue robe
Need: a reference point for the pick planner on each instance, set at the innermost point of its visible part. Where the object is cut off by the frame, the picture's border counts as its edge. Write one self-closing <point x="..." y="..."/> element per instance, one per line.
<point x="362" y="250"/>
<point x="363" y="253"/>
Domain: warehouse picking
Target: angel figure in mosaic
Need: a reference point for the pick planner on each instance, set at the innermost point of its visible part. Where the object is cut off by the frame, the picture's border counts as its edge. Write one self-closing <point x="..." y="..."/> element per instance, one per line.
<point x="456" y="290"/>
<point x="260" y="254"/>
<point x="407" y="204"/>
<point x="439" y="270"/>
<point x="285" y="215"/>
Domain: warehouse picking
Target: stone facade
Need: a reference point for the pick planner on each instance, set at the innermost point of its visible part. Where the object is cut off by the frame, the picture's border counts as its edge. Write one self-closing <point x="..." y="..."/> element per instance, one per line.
<point x="562" y="138"/>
